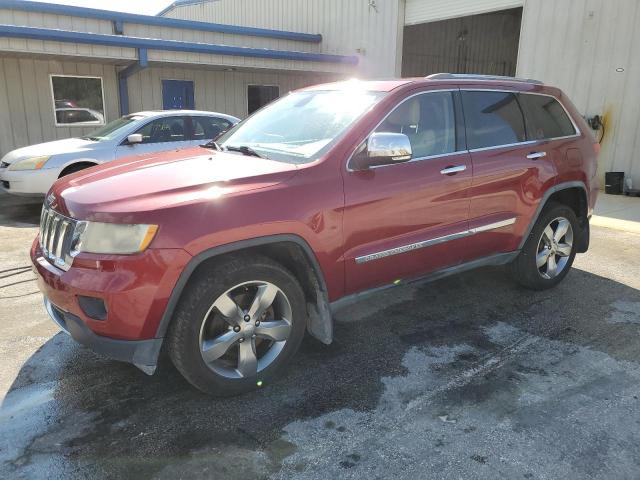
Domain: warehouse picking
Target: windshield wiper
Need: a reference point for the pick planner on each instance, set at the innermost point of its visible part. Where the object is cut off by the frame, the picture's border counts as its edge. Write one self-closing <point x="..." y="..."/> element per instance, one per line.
<point x="245" y="150"/>
<point x="93" y="139"/>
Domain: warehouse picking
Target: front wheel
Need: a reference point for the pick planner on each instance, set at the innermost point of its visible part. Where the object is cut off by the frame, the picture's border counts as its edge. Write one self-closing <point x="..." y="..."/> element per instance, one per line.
<point x="549" y="251"/>
<point x="237" y="325"/>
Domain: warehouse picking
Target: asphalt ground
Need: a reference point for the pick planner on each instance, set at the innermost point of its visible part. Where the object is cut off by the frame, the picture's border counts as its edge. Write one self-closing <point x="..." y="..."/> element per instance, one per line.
<point x="467" y="377"/>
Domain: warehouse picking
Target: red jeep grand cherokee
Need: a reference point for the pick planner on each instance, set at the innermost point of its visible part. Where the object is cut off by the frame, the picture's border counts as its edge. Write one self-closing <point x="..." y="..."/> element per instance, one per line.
<point x="225" y="255"/>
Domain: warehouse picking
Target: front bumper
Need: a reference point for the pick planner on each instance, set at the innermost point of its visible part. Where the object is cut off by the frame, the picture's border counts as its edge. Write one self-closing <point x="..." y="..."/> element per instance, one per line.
<point x="142" y="353"/>
<point x="135" y="290"/>
<point x="28" y="182"/>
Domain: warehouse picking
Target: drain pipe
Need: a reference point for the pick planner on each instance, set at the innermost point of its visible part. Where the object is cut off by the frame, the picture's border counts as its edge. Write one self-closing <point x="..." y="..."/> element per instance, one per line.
<point x="123" y="75"/>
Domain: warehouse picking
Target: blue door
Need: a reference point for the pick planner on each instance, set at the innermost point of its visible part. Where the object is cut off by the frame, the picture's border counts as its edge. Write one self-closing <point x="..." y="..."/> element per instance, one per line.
<point x="177" y="95"/>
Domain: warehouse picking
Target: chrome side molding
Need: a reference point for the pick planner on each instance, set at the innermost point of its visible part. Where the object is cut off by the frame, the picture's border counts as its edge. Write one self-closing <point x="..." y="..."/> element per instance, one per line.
<point x="434" y="241"/>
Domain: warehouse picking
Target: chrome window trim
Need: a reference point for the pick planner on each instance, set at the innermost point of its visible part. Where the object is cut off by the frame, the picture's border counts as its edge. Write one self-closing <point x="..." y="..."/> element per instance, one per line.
<point x="419" y="159"/>
<point x="433" y="241"/>
<point x="472" y="150"/>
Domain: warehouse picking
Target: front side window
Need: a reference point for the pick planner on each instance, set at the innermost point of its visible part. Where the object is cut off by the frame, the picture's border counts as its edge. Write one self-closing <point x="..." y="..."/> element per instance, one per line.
<point x="545" y="117"/>
<point x="298" y="128"/>
<point x="77" y="100"/>
<point x="208" y="128"/>
<point x="167" y="129"/>
<point x="429" y="122"/>
<point x="492" y="119"/>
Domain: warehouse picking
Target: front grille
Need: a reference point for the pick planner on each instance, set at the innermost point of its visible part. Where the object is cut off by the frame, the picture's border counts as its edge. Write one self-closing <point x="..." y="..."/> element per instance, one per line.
<point x="56" y="236"/>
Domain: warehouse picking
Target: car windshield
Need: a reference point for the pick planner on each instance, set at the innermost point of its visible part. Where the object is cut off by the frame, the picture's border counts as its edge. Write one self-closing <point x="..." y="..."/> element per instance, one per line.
<point x="301" y="126"/>
<point x="110" y="130"/>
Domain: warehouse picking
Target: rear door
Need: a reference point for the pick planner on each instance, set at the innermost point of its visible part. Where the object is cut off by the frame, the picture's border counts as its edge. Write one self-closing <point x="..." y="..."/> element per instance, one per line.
<point x="408" y="219"/>
<point x="161" y="134"/>
<point x="510" y="171"/>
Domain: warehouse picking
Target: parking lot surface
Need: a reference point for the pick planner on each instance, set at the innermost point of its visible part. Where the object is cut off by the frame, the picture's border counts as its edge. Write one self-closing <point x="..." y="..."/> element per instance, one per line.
<point x="467" y="377"/>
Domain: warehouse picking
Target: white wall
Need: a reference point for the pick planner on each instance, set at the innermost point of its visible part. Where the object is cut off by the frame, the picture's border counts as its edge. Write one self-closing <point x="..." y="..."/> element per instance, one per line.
<point x="578" y="45"/>
<point x="349" y="27"/>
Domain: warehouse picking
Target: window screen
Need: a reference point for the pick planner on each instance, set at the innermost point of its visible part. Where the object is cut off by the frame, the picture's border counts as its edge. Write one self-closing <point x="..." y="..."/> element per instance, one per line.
<point x="545" y="117"/>
<point x="259" y="95"/>
<point x="493" y="119"/>
<point x="167" y="129"/>
<point x="429" y="122"/>
<point x="77" y="100"/>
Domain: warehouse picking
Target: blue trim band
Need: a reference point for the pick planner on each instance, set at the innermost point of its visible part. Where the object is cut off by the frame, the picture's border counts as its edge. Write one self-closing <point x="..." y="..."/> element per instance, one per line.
<point x="168" y="45"/>
<point x="158" y="21"/>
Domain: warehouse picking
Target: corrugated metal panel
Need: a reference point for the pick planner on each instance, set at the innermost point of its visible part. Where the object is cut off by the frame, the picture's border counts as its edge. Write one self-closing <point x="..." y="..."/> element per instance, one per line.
<point x="580" y="46"/>
<point x="486" y="43"/>
<point x="347" y="27"/>
<point x="422" y="11"/>
<point x="26" y="106"/>
<point x="215" y="90"/>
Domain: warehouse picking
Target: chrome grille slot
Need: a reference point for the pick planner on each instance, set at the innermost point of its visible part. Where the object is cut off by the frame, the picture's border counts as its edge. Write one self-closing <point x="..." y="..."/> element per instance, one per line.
<point x="56" y="235"/>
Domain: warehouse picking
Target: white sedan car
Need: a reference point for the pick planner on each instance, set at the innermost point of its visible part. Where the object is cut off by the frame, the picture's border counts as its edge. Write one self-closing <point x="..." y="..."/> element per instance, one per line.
<point x="32" y="170"/>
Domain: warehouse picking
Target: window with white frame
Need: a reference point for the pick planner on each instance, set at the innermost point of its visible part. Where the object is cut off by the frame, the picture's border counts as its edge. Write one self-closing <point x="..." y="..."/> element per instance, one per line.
<point x="77" y="100"/>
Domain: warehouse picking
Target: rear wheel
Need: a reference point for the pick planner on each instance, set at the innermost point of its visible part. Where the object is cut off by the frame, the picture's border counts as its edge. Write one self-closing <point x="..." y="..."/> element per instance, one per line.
<point x="549" y="251"/>
<point x="237" y="325"/>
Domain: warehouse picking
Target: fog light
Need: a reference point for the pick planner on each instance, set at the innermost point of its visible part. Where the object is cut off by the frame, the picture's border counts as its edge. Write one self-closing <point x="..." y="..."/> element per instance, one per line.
<point x="93" y="307"/>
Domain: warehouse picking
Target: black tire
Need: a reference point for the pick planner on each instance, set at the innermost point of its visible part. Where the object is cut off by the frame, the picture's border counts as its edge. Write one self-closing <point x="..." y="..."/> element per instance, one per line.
<point x="207" y="285"/>
<point x="524" y="269"/>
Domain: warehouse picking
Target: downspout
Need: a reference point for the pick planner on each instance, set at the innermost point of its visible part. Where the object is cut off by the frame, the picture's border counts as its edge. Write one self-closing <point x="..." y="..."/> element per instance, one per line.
<point x="123" y="75"/>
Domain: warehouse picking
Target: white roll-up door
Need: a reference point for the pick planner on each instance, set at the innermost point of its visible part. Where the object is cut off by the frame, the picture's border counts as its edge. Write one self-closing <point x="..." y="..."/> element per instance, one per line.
<point x="423" y="11"/>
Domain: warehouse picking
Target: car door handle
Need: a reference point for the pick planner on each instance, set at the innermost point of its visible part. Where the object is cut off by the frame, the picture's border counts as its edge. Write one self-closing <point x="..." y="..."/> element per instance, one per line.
<point x="453" y="169"/>
<point x="536" y="155"/>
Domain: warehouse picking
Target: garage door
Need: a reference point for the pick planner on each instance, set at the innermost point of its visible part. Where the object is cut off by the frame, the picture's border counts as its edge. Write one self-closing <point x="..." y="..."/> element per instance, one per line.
<point x="422" y="11"/>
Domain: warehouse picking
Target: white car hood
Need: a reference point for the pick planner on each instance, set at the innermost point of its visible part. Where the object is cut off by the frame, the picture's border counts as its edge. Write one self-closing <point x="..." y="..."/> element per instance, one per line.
<point x="68" y="145"/>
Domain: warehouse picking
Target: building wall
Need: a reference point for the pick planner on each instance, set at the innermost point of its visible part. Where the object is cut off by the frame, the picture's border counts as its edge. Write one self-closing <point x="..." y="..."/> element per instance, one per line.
<point x="348" y="27"/>
<point x="581" y="46"/>
<point x="215" y="90"/>
<point x="26" y="103"/>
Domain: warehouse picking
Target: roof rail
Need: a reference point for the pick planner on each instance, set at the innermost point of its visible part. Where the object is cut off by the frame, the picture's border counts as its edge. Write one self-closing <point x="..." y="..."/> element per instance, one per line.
<point x="472" y="76"/>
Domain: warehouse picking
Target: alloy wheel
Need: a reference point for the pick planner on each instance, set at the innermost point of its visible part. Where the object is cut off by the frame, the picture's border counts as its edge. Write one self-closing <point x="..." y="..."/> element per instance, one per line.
<point x="554" y="248"/>
<point x="245" y="329"/>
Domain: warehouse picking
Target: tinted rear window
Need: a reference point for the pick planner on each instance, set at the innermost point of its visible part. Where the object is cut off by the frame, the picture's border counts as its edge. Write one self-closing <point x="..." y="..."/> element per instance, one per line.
<point x="492" y="119"/>
<point x="545" y="117"/>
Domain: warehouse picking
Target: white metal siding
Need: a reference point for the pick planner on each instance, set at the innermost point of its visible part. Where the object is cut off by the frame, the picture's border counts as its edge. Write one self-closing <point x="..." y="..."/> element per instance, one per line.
<point x="26" y="106"/>
<point x="577" y="45"/>
<point x="215" y="90"/>
<point x="422" y="11"/>
<point x="350" y="27"/>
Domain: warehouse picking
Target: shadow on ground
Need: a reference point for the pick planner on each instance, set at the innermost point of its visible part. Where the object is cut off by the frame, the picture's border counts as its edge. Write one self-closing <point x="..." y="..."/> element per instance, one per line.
<point x="72" y="414"/>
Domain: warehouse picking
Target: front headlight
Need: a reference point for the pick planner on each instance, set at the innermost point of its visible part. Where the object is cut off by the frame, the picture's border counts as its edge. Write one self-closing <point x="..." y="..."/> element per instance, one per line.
<point x="111" y="238"/>
<point x="33" y="163"/>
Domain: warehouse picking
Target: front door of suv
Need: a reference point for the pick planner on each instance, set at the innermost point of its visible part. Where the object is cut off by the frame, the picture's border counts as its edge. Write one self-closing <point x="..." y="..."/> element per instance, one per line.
<point x="407" y="219"/>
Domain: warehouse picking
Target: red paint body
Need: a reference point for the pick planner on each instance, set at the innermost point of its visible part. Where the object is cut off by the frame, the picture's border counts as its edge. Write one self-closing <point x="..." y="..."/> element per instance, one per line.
<point x="202" y="199"/>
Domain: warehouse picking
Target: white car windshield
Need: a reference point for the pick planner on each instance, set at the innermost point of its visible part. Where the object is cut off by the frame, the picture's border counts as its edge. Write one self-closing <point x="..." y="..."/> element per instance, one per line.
<point x="300" y="127"/>
<point x="110" y="130"/>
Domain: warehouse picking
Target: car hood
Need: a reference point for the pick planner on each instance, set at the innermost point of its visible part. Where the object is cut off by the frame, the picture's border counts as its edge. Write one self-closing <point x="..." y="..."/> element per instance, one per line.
<point x="156" y="181"/>
<point x="68" y="145"/>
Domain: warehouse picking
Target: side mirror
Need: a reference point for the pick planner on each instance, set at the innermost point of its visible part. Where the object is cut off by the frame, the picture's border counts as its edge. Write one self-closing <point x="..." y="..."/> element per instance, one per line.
<point x="384" y="148"/>
<point x="134" y="138"/>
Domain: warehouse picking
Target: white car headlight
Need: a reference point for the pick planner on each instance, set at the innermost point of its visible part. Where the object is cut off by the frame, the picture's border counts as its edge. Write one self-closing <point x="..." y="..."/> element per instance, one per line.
<point x="111" y="238"/>
<point x="33" y="163"/>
